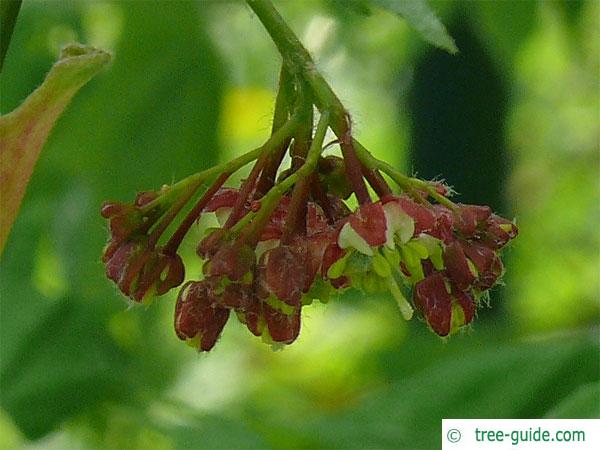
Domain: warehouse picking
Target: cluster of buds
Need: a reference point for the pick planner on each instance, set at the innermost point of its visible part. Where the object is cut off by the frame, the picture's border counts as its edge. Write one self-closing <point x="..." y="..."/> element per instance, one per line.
<point x="139" y="267"/>
<point x="287" y="237"/>
<point x="448" y="258"/>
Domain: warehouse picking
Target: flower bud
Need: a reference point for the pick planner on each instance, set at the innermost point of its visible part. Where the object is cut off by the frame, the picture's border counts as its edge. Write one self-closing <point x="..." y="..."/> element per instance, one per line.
<point x="231" y="260"/>
<point x="141" y="272"/>
<point x="486" y="262"/>
<point x="469" y="218"/>
<point x="282" y="273"/>
<point x="499" y="231"/>
<point x="446" y="309"/>
<point x="459" y="268"/>
<point x="283" y="328"/>
<point x="197" y="319"/>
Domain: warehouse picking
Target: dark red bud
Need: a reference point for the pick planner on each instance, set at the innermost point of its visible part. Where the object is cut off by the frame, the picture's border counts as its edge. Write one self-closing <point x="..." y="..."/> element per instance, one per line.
<point x="457" y="266"/>
<point x="469" y="217"/>
<point x="282" y="327"/>
<point x="233" y="261"/>
<point x="197" y="316"/>
<point x="488" y="263"/>
<point x="499" y="232"/>
<point x="370" y="223"/>
<point x="282" y="273"/>
<point x="143" y="198"/>
<point x="163" y="272"/>
<point x="224" y="198"/>
<point x="444" y="224"/>
<point x="111" y="209"/>
<point x="434" y="301"/>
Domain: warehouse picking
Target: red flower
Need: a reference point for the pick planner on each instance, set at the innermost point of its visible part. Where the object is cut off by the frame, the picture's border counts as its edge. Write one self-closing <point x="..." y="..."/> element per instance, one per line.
<point x="140" y="272"/>
<point x="442" y="304"/>
<point x="197" y="318"/>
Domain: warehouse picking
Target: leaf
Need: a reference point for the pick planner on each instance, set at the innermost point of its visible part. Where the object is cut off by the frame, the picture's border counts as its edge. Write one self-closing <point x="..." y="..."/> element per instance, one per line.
<point x="421" y="17"/>
<point x="485" y="378"/>
<point x="152" y="120"/>
<point x="24" y="131"/>
<point x="213" y="432"/>
<point x="582" y="403"/>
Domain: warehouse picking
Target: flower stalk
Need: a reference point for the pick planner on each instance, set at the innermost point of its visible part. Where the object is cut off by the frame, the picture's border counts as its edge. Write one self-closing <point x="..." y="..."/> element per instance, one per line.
<point x="287" y="235"/>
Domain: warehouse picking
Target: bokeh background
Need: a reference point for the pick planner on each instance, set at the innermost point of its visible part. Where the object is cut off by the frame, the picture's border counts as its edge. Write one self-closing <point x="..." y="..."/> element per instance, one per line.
<point x="511" y="121"/>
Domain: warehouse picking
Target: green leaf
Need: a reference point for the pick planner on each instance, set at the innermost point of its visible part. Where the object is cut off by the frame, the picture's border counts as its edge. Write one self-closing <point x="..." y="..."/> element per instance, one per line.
<point x="582" y="403"/>
<point x="472" y="377"/>
<point x="213" y="432"/>
<point x="421" y="17"/>
<point x="24" y="131"/>
<point x="151" y="120"/>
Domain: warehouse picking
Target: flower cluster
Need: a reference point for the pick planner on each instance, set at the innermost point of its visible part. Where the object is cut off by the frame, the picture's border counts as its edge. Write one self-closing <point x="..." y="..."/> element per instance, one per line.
<point x="288" y="236"/>
<point x="266" y="285"/>
<point x="139" y="268"/>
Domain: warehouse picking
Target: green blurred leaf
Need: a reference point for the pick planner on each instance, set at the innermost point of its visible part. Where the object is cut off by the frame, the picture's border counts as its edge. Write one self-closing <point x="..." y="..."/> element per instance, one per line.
<point x="23" y="132"/>
<point x="213" y="432"/>
<point x="582" y="403"/>
<point x="422" y="18"/>
<point x="150" y="119"/>
<point x="467" y="382"/>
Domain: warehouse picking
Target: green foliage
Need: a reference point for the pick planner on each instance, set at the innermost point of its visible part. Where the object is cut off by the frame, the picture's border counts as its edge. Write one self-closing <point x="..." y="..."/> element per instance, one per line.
<point x="420" y="16"/>
<point x="24" y="131"/>
<point x="473" y="381"/>
<point x="143" y="122"/>
<point x="78" y="370"/>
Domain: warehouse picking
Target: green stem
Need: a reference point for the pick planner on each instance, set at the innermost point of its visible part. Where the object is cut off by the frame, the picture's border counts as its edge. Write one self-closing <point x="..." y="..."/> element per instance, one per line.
<point x="171" y="214"/>
<point x="9" y="10"/>
<point x="181" y="187"/>
<point x="405" y="182"/>
<point x="283" y="109"/>
<point x="299" y="62"/>
<point x="175" y="240"/>
<point x="270" y="201"/>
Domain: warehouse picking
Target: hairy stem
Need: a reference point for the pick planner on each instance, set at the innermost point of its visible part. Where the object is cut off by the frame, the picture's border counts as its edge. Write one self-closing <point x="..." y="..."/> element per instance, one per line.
<point x="281" y="136"/>
<point x="270" y="201"/>
<point x="299" y="62"/>
<point x="405" y="182"/>
<point x="283" y="108"/>
<point x="175" y="240"/>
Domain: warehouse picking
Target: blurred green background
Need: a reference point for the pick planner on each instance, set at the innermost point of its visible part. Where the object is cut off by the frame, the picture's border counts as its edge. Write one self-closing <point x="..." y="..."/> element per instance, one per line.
<point x="511" y="121"/>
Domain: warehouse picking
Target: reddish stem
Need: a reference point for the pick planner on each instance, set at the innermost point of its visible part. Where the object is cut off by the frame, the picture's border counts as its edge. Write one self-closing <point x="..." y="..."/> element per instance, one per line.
<point x="321" y="198"/>
<point x="280" y="116"/>
<point x="376" y="181"/>
<point x="240" y="207"/>
<point x="171" y="214"/>
<point x="351" y="161"/>
<point x="295" y="223"/>
<point x="268" y="175"/>
<point x="354" y="172"/>
<point x="173" y="243"/>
